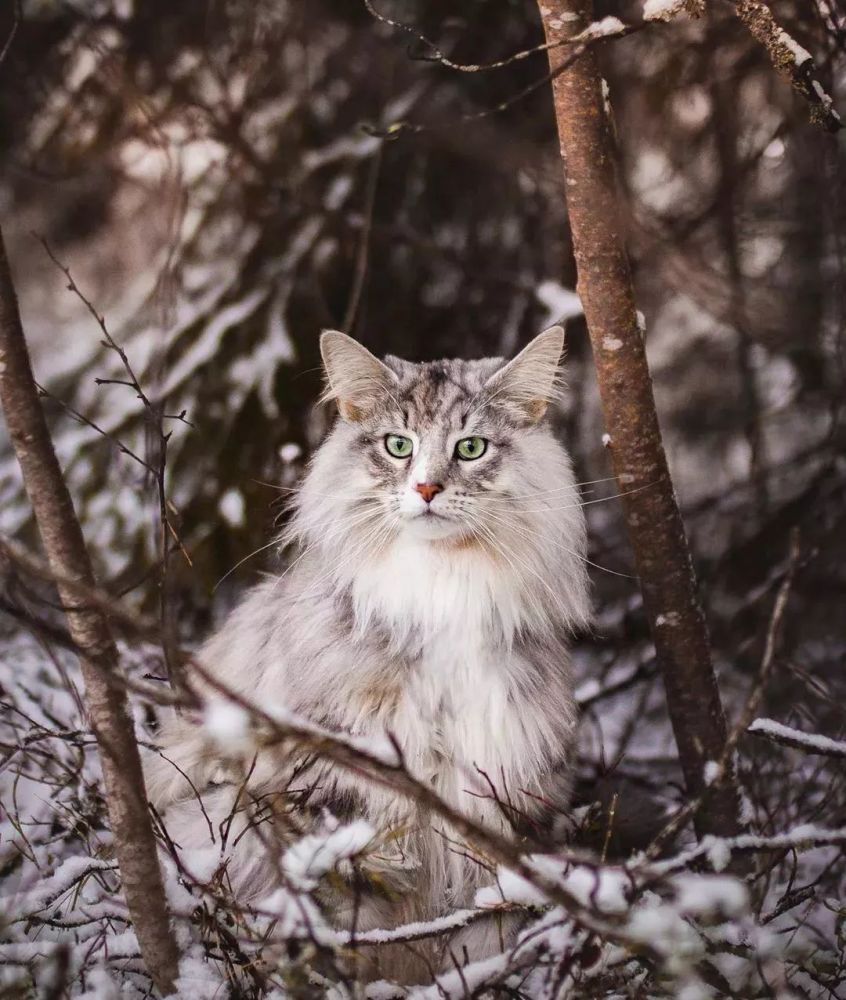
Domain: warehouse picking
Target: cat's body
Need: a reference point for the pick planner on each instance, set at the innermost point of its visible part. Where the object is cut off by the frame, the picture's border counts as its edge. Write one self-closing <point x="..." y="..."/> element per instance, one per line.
<point x="447" y="632"/>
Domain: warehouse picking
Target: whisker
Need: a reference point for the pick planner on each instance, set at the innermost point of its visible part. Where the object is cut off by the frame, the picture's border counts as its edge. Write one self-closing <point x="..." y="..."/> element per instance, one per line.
<point x="537" y="494"/>
<point x="334" y="526"/>
<point x="357" y="550"/>
<point x="531" y="536"/>
<point x="586" y="503"/>
<point x="505" y="552"/>
<point x="255" y="552"/>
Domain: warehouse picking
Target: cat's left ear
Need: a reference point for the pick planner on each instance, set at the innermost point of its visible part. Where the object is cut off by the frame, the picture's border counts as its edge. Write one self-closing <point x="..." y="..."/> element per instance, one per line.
<point x="530" y="380"/>
<point x="355" y="378"/>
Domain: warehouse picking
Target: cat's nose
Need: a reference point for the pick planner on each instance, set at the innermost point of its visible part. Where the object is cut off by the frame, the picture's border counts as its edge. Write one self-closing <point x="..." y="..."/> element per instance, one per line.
<point x="428" y="490"/>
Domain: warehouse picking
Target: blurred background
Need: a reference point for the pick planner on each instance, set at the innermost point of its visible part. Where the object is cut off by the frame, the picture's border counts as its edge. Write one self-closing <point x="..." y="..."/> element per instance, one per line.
<point x="216" y="176"/>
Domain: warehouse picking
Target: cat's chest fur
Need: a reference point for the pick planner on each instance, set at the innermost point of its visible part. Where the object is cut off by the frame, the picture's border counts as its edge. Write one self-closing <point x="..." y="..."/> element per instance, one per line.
<point x="445" y="601"/>
<point x="450" y="616"/>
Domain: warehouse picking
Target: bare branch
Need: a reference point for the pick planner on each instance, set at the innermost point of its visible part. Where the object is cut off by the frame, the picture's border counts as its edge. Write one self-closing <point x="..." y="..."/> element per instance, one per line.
<point x="107" y="706"/>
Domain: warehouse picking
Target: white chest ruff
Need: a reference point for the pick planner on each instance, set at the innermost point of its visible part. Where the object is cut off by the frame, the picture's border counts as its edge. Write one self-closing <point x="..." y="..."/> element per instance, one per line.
<point x="461" y="596"/>
<point x="459" y="717"/>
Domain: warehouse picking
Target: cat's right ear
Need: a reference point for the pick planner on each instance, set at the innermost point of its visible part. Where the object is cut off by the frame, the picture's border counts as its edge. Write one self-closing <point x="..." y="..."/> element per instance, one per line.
<point x="355" y="378"/>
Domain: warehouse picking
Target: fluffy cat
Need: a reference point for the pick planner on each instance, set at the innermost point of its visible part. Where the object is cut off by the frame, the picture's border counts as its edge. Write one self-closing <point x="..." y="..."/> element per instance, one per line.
<point x="438" y="571"/>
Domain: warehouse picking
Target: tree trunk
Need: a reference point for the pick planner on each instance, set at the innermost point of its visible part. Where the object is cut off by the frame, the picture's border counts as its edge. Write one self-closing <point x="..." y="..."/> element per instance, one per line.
<point x="653" y="519"/>
<point x="106" y="703"/>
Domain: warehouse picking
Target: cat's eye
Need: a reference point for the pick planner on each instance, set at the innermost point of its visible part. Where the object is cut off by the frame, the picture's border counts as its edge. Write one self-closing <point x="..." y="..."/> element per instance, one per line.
<point x="398" y="446"/>
<point x="470" y="448"/>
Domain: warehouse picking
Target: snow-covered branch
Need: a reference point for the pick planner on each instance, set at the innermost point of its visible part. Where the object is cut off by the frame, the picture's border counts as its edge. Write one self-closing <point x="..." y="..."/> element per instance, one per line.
<point x="811" y="743"/>
<point x="790" y="59"/>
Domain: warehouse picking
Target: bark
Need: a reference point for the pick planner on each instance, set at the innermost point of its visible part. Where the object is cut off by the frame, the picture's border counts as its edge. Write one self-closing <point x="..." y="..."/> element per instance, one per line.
<point x="652" y="516"/>
<point x="105" y="702"/>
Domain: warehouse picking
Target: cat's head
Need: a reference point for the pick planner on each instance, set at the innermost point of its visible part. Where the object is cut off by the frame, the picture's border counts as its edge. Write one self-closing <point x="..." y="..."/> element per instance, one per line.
<point x="436" y="446"/>
<point x="445" y="466"/>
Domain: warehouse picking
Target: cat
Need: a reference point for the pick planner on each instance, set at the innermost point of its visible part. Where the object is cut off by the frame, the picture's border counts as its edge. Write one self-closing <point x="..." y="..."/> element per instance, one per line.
<point x="438" y="575"/>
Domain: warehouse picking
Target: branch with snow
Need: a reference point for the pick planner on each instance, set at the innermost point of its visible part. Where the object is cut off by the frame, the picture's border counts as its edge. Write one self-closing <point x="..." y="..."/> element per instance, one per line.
<point x="811" y="743"/>
<point x="581" y="917"/>
<point x="791" y="60"/>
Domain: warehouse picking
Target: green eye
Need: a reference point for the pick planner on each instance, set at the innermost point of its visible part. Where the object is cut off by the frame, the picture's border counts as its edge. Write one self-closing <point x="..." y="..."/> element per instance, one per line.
<point x="399" y="446"/>
<point x="470" y="448"/>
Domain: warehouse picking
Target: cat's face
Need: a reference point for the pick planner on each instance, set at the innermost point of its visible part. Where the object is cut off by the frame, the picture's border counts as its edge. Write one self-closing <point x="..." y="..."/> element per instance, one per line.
<point x="439" y="448"/>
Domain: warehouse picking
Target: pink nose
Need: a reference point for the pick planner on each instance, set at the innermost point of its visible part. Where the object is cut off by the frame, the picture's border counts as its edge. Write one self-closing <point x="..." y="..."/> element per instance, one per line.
<point x="428" y="490"/>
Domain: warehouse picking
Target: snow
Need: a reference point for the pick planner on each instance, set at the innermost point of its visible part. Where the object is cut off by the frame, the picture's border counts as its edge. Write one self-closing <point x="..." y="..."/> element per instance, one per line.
<point x="66" y="876"/>
<point x="587" y="691"/>
<point x="101" y="986"/>
<point x="228" y="725"/>
<point x="661" y="927"/>
<point x="669" y="620"/>
<point x="661" y="10"/>
<point x="800" y="54"/>
<point x="597" y="887"/>
<point x="712" y="772"/>
<point x="719" y="854"/>
<point x="231" y="507"/>
<point x="561" y="303"/>
<point x="450" y="922"/>
<point x="509" y="888"/>
<point x="314" y="855"/>
<point x="290" y="452"/>
<point x="604" y="888"/>
<point x="710" y="895"/>
<point x="198" y="979"/>
<point x="207" y="345"/>
<point x="810" y="742"/>
<point x="719" y="849"/>
<point x="604" y="28"/>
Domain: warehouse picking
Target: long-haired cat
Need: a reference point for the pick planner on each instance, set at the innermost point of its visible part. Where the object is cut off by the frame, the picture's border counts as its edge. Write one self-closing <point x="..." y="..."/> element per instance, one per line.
<point x="437" y="573"/>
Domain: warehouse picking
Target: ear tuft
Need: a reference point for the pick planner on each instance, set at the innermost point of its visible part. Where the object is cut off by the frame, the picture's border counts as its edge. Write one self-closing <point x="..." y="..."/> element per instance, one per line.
<point x="355" y="378"/>
<point x="530" y="381"/>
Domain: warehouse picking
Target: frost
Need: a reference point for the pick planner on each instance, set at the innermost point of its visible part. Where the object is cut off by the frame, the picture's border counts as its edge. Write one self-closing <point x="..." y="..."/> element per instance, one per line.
<point x="611" y="343"/>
